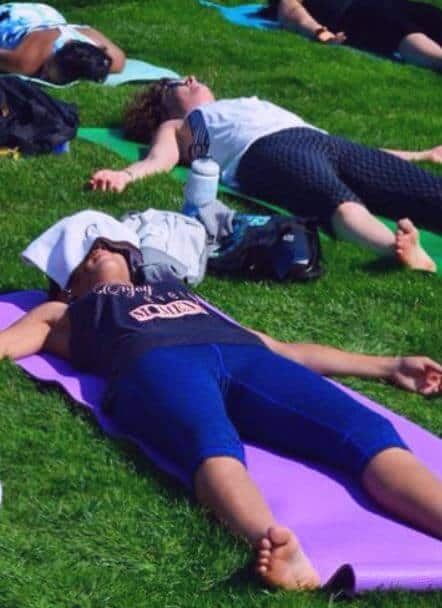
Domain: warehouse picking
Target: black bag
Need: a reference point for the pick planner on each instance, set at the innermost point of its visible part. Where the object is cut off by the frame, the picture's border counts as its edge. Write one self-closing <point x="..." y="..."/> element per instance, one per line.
<point x="31" y="120"/>
<point x="283" y="248"/>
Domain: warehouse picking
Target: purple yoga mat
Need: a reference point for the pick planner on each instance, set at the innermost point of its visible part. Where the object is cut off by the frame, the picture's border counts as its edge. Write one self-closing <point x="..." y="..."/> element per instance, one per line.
<point x="348" y="539"/>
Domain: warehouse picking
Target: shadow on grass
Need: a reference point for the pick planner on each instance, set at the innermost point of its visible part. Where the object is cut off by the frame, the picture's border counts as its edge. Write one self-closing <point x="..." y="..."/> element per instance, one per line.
<point x="246" y="578"/>
<point x="381" y="266"/>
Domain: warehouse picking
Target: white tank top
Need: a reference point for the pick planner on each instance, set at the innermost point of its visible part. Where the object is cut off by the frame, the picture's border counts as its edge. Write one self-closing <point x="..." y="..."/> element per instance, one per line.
<point x="225" y="129"/>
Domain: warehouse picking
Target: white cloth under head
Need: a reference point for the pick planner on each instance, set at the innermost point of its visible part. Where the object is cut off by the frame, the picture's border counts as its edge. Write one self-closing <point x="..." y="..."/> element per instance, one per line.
<point x="230" y="126"/>
<point x="59" y="250"/>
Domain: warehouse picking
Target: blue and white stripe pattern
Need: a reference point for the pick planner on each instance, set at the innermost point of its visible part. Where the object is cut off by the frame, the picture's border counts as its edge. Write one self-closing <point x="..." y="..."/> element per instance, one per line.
<point x="200" y="135"/>
<point x="18" y="19"/>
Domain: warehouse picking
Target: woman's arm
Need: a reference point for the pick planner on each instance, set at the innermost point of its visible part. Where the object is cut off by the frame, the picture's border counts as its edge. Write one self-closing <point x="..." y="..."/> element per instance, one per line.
<point x="37" y="330"/>
<point x="115" y="53"/>
<point x="163" y="156"/>
<point x="432" y="155"/>
<point x="293" y="16"/>
<point x="29" y="56"/>
<point x="419" y="374"/>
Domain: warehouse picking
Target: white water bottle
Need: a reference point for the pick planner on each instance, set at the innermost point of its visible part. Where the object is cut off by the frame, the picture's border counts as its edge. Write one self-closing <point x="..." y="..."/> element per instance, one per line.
<point x="202" y="185"/>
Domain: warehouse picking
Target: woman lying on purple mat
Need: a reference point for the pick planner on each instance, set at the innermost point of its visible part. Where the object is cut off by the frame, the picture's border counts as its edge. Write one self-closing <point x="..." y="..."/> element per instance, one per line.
<point x="36" y="40"/>
<point x="412" y="29"/>
<point x="193" y="385"/>
<point x="273" y="154"/>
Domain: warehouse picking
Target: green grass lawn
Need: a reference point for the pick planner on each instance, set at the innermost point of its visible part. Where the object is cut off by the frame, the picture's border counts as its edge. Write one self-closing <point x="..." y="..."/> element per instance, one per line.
<point x="87" y="522"/>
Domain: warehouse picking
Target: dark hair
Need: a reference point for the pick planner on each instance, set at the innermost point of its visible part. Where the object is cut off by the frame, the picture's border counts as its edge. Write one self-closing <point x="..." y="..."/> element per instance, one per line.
<point x="81" y="60"/>
<point x="145" y="112"/>
<point x="54" y="290"/>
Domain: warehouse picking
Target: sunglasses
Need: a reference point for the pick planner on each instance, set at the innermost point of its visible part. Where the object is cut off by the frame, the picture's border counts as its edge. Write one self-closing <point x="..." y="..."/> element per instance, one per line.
<point x="173" y="84"/>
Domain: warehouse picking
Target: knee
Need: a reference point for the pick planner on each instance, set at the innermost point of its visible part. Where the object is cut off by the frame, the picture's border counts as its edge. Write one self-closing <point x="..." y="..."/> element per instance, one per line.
<point x="378" y="430"/>
<point x="420" y="50"/>
<point x="222" y="465"/>
<point x="346" y="211"/>
<point x="211" y="448"/>
<point x="213" y="471"/>
<point x="370" y="433"/>
<point x="373" y="435"/>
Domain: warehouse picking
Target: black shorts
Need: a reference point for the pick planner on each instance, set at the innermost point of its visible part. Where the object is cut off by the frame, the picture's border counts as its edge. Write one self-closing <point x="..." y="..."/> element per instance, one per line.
<point x="311" y="173"/>
<point x="380" y="25"/>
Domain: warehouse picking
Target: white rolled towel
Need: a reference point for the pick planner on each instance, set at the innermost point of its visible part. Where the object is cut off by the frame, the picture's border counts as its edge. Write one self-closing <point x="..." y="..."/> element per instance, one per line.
<point x="61" y="248"/>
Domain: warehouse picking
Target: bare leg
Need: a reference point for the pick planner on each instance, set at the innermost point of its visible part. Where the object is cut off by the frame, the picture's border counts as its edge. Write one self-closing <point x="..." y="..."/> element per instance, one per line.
<point x="421" y="50"/>
<point x="406" y="488"/>
<point x="353" y="222"/>
<point x="223" y="484"/>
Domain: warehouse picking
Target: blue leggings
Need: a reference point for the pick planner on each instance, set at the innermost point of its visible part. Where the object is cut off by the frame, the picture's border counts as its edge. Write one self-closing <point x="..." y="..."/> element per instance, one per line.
<point x="189" y="403"/>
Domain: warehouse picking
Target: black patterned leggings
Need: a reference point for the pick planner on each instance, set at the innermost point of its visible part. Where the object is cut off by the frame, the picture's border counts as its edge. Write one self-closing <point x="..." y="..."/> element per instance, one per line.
<point x="312" y="173"/>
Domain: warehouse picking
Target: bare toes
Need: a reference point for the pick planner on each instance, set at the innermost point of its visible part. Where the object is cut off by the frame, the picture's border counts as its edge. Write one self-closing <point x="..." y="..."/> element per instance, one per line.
<point x="265" y="553"/>
<point x="406" y="225"/>
<point x="265" y="544"/>
<point x="279" y="535"/>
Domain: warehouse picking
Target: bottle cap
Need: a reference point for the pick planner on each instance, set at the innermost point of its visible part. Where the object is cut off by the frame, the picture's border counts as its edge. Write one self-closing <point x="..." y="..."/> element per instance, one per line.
<point x="205" y="166"/>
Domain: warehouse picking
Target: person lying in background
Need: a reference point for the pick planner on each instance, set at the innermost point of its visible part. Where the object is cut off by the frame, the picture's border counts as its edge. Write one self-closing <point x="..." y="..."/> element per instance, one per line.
<point x="36" y="40"/>
<point x="270" y="153"/>
<point x="229" y="384"/>
<point x="412" y="29"/>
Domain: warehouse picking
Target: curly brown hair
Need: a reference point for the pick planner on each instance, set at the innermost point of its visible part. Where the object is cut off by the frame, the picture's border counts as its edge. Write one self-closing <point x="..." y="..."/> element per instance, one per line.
<point x="145" y="112"/>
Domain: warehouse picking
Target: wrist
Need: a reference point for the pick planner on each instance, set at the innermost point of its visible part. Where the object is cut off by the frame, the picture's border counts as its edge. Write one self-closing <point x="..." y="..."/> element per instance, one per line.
<point x="322" y="34"/>
<point x="422" y="155"/>
<point x="390" y="367"/>
<point x="130" y="174"/>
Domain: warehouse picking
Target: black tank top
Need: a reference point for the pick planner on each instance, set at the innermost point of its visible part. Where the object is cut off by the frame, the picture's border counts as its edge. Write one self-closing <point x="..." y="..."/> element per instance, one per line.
<point x="327" y="12"/>
<point x="114" y="324"/>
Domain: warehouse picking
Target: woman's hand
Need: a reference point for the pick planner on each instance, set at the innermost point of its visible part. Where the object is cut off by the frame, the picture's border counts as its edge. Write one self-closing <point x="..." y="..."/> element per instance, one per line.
<point x="108" y="180"/>
<point x="433" y="155"/>
<point x="417" y="374"/>
<point x="327" y="37"/>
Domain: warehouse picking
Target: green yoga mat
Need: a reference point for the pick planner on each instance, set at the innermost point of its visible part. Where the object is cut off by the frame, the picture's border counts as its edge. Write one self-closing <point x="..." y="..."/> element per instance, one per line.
<point x="113" y="139"/>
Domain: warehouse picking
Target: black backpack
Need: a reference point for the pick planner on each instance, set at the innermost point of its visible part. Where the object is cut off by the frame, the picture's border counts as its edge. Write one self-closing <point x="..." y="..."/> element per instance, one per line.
<point x="275" y="247"/>
<point x="31" y="120"/>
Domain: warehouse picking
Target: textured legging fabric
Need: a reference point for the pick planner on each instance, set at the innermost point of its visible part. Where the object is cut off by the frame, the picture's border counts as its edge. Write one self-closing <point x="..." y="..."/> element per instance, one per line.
<point x="380" y="25"/>
<point x="189" y="403"/>
<point x="311" y="173"/>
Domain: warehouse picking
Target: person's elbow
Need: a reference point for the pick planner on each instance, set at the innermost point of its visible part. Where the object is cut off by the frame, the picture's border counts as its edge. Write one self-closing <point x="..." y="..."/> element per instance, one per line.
<point x="290" y="350"/>
<point x="28" y="66"/>
<point x="164" y="161"/>
<point x="118" y="61"/>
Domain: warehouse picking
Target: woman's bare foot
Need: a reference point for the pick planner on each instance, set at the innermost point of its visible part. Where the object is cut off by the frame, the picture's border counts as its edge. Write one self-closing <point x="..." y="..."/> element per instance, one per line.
<point x="282" y="563"/>
<point x="408" y="248"/>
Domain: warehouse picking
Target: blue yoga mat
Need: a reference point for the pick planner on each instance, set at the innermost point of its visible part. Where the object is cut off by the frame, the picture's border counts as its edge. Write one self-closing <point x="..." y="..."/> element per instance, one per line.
<point x="246" y="15"/>
<point x="139" y="71"/>
<point x="135" y="70"/>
